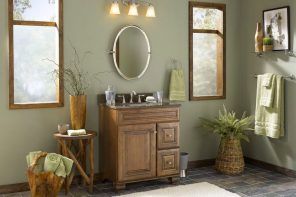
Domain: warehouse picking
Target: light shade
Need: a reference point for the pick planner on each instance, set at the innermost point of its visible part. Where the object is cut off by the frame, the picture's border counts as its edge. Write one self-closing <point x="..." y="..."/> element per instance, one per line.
<point x="133" y="11"/>
<point x="150" y="11"/>
<point x="115" y="8"/>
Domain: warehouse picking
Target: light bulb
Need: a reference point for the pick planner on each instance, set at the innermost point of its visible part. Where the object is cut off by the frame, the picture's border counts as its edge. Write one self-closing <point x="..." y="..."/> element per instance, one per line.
<point x="150" y="11"/>
<point x="115" y="8"/>
<point x="133" y="11"/>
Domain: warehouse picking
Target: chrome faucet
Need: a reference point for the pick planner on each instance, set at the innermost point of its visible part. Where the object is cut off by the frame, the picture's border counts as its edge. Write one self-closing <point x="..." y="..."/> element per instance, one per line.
<point x="123" y="98"/>
<point x="139" y="97"/>
<point x="133" y="93"/>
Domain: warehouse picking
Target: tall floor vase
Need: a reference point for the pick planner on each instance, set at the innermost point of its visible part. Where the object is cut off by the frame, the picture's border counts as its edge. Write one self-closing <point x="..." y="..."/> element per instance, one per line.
<point x="78" y="111"/>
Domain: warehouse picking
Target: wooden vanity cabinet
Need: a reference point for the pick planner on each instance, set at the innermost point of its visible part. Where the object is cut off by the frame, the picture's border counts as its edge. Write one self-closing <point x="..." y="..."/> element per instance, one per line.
<point x="139" y="144"/>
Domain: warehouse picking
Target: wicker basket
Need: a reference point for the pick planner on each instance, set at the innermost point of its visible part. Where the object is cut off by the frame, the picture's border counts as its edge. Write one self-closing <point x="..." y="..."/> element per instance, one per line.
<point x="43" y="184"/>
<point x="230" y="158"/>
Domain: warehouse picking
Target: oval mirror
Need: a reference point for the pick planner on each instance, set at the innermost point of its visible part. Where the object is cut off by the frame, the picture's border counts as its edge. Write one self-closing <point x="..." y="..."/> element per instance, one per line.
<point x="131" y="52"/>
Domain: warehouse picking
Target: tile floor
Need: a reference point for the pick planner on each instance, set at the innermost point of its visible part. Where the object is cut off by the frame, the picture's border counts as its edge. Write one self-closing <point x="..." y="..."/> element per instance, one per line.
<point x="254" y="182"/>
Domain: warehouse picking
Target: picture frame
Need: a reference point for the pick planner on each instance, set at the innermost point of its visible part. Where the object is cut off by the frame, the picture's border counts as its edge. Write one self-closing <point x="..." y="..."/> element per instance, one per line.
<point x="276" y="24"/>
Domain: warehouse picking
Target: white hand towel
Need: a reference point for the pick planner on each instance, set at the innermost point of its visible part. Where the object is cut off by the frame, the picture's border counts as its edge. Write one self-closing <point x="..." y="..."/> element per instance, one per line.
<point x="76" y="132"/>
<point x="268" y="89"/>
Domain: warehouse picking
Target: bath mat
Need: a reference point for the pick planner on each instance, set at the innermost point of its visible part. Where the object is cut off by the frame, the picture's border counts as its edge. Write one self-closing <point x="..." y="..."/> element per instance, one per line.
<point x="203" y="189"/>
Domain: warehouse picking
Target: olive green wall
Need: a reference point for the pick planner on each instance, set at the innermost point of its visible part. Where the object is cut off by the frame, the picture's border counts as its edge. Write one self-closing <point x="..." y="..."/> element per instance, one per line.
<point x="279" y="152"/>
<point x="89" y="26"/>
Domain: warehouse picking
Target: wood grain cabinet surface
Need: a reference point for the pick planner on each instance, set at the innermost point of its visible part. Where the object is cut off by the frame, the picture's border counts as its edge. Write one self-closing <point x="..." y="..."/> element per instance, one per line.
<point x="138" y="144"/>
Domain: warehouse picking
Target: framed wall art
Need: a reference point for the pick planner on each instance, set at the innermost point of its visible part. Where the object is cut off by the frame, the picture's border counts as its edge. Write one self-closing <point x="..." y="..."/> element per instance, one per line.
<point x="277" y="26"/>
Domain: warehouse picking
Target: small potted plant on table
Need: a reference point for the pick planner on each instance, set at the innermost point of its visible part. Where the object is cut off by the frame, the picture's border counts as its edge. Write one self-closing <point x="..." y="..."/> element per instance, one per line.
<point x="267" y="44"/>
<point x="230" y="158"/>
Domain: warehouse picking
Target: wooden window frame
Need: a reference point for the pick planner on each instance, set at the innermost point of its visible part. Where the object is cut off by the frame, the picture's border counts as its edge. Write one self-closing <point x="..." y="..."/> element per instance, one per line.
<point x="60" y="26"/>
<point x="220" y="69"/>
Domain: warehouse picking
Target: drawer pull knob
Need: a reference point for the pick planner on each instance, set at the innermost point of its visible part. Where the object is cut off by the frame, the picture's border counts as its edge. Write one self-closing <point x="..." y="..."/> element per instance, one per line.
<point x="170" y="163"/>
<point x="169" y="135"/>
<point x="155" y="132"/>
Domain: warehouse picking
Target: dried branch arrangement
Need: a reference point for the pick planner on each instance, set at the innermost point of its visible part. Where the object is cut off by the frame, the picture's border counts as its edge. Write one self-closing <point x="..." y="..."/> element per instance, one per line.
<point x="76" y="80"/>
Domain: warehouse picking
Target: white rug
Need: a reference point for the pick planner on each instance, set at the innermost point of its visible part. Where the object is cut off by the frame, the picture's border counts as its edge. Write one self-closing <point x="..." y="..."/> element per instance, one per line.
<point x="193" y="190"/>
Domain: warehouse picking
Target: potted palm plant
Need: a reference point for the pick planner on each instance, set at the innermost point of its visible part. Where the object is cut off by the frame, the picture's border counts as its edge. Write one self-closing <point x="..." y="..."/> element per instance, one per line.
<point x="230" y="158"/>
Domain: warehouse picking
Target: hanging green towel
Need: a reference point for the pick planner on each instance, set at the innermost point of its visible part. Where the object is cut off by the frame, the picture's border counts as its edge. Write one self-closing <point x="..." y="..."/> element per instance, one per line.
<point x="269" y="121"/>
<point x="177" y="86"/>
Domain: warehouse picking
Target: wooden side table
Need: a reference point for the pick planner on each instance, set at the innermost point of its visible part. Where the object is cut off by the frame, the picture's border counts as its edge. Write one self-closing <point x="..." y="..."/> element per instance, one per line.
<point x="66" y="145"/>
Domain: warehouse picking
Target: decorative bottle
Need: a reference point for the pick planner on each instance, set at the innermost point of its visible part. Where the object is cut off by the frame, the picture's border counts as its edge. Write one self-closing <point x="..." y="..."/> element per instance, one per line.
<point x="259" y="39"/>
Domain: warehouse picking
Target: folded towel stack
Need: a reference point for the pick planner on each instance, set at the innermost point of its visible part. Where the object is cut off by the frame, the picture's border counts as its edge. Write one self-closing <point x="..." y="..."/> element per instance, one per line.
<point x="53" y="162"/>
<point x="269" y="115"/>
<point x="77" y="132"/>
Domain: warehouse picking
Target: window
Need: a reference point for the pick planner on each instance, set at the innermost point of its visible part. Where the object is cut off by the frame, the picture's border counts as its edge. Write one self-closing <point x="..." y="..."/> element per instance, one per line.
<point x="35" y="37"/>
<point x="207" y="50"/>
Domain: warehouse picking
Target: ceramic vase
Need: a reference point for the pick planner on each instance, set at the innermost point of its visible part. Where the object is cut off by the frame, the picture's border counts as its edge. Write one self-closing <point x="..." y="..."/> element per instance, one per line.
<point x="78" y="111"/>
<point x="259" y="39"/>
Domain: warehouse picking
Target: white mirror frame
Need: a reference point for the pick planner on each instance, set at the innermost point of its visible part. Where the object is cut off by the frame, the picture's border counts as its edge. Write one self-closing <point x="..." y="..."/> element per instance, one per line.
<point x="114" y="52"/>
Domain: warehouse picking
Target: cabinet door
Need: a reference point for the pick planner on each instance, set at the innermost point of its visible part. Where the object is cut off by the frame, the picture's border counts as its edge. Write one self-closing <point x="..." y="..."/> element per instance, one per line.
<point x="137" y="152"/>
<point x="168" y="135"/>
<point x="168" y="162"/>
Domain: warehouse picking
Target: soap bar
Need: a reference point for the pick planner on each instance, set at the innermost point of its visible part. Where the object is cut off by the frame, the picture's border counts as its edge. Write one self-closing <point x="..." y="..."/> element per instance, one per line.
<point x="77" y="132"/>
<point x="150" y="99"/>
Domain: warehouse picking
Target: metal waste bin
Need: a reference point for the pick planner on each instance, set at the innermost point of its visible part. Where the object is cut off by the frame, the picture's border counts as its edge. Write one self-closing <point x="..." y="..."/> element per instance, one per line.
<point x="183" y="164"/>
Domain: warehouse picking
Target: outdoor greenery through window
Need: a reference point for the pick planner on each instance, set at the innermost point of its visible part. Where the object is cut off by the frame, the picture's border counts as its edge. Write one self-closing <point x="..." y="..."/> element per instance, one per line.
<point x="35" y="35"/>
<point x="207" y="50"/>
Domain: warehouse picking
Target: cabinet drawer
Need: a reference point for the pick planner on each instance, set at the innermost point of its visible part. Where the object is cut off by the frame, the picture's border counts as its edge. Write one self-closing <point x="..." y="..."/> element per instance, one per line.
<point x="151" y="115"/>
<point x="168" y="135"/>
<point x="167" y="162"/>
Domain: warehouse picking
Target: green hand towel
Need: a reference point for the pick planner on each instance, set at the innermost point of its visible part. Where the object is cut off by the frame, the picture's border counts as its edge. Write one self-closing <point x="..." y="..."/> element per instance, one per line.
<point x="31" y="158"/>
<point x="269" y="121"/>
<point x="267" y="89"/>
<point x="61" y="170"/>
<point x="58" y="164"/>
<point x="52" y="162"/>
<point x="68" y="163"/>
<point x="177" y="86"/>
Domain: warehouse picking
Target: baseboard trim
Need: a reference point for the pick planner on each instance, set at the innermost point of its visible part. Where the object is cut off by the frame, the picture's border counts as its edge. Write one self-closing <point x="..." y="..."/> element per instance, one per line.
<point x="14" y="188"/>
<point x="201" y="163"/>
<point x="22" y="187"/>
<point x="271" y="167"/>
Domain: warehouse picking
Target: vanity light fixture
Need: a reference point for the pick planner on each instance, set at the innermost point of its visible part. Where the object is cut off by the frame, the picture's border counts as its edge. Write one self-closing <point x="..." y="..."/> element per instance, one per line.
<point x="150" y="11"/>
<point x="115" y="8"/>
<point x="133" y="10"/>
<point x="133" y="7"/>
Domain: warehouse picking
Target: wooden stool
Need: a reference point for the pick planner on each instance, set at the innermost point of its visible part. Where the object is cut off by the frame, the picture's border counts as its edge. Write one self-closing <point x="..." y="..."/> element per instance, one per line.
<point x="66" y="145"/>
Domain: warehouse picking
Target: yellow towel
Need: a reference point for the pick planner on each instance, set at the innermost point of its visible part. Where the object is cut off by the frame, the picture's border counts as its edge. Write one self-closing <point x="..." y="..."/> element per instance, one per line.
<point x="269" y="121"/>
<point x="177" y="86"/>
